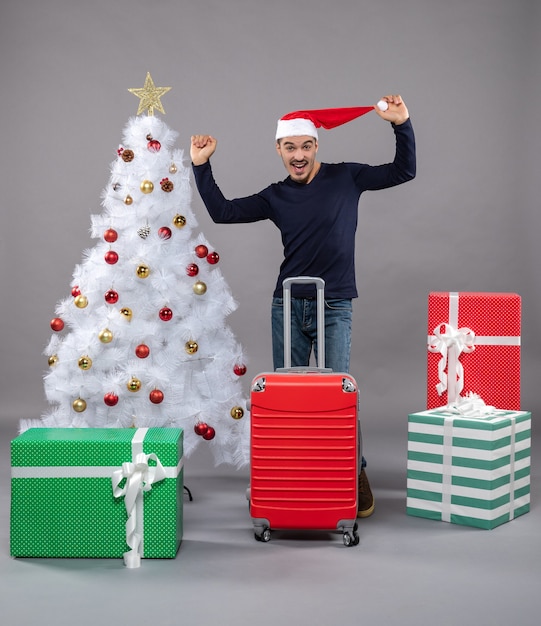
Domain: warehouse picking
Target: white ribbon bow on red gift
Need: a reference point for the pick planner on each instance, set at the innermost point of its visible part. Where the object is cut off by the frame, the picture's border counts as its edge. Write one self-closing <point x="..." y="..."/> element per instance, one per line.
<point x="450" y="342"/>
<point x="140" y="476"/>
<point x="471" y="405"/>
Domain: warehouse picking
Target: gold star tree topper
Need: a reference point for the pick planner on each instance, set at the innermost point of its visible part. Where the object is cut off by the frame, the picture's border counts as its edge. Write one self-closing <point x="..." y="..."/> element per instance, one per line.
<point x="150" y="96"/>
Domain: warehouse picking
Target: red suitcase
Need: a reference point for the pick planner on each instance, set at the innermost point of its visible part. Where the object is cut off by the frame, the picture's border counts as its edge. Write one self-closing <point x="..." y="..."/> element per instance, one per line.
<point x="305" y="442"/>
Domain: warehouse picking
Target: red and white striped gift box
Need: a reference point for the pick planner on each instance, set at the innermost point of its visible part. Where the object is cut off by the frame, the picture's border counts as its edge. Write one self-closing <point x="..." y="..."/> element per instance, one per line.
<point x="474" y="347"/>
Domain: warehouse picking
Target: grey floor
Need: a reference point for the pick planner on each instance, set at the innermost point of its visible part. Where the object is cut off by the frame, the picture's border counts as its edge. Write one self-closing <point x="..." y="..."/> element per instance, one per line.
<point x="404" y="571"/>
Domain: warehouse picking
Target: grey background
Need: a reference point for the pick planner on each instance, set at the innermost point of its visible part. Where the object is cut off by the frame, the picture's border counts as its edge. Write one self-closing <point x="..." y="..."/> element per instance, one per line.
<point x="469" y="71"/>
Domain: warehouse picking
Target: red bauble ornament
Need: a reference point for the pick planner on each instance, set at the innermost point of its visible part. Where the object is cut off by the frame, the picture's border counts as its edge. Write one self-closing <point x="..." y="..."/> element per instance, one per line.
<point x="154" y="145"/>
<point x="156" y="396"/>
<point x="165" y="314"/>
<point x="200" y="428"/>
<point x="110" y="399"/>
<point x="213" y="258"/>
<point x="111" y="296"/>
<point x="210" y="434"/>
<point x="164" y="232"/>
<point x="75" y="291"/>
<point x="240" y="369"/>
<point x="192" y="269"/>
<point x="201" y="251"/>
<point x="142" y="351"/>
<point x="111" y="257"/>
<point x="57" y="324"/>
<point x="110" y="235"/>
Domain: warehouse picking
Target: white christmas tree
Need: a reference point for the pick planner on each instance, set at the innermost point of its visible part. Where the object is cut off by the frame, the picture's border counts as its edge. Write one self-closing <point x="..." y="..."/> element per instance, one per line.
<point x="142" y="340"/>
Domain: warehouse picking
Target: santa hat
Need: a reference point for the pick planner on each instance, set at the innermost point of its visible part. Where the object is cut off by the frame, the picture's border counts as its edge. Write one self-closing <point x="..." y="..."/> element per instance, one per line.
<point x="299" y="123"/>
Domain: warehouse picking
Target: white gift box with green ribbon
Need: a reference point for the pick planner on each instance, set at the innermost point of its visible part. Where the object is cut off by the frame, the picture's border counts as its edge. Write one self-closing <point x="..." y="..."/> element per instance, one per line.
<point x="97" y="492"/>
<point x="473" y="471"/>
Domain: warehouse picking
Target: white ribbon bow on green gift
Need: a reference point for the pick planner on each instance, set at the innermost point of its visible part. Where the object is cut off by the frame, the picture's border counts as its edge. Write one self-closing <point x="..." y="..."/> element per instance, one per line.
<point x="450" y="342"/>
<point x="140" y="476"/>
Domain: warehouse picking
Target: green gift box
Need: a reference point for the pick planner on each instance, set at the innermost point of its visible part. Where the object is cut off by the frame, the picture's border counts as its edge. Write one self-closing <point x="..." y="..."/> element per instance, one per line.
<point x="97" y="492"/>
<point x="473" y="471"/>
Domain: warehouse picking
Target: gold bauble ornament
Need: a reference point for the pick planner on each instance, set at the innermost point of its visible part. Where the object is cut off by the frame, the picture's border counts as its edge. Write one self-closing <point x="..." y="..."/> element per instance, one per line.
<point x="81" y="301"/>
<point x="147" y="186"/>
<point x="179" y="220"/>
<point x="199" y="288"/>
<point x="85" y="362"/>
<point x="237" y="412"/>
<point x="128" y="200"/>
<point x="126" y="313"/>
<point x="143" y="270"/>
<point x="191" y="347"/>
<point x="134" y="384"/>
<point x="105" y="335"/>
<point x="173" y="169"/>
<point x="53" y="359"/>
<point x="79" y="405"/>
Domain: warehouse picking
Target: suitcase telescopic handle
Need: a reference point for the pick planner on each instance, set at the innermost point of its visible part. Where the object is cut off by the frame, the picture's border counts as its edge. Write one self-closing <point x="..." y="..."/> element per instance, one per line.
<point x="320" y="291"/>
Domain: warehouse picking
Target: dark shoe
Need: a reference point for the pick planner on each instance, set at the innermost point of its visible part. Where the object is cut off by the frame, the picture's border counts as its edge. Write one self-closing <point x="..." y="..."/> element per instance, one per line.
<point x="366" y="499"/>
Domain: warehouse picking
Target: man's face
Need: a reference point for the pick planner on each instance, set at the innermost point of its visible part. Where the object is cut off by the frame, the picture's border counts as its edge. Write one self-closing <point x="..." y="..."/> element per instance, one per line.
<point x="299" y="157"/>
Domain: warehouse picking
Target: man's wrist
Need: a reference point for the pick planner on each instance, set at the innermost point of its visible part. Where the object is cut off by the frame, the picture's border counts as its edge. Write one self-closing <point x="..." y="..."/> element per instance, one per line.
<point x="402" y="121"/>
<point x="399" y="123"/>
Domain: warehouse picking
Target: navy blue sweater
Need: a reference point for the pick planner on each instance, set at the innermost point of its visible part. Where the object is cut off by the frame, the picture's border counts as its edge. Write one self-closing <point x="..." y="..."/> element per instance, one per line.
<point x="317" y="220"/>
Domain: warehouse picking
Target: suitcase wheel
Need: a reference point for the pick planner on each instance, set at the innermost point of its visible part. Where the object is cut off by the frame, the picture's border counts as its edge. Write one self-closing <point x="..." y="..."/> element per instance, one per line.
<point x="351" y="539"/>
<point x="265" y="535"/>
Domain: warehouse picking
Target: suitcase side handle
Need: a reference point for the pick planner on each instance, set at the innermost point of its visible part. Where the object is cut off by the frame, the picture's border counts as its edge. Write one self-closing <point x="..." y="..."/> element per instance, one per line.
<point x="320" y="291"/>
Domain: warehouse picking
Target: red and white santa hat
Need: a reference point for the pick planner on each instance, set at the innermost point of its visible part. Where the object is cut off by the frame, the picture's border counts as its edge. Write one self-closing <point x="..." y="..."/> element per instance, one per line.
<point x="300" y="123"/>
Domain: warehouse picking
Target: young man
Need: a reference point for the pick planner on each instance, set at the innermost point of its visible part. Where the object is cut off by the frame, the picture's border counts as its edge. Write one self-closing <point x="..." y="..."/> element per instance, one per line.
<point x="315" y="208"/>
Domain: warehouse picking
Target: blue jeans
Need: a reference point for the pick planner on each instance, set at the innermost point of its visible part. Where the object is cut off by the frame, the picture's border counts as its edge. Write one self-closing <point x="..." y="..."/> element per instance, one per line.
<point x="304" y="332"/>
<point x="338" y="314"/>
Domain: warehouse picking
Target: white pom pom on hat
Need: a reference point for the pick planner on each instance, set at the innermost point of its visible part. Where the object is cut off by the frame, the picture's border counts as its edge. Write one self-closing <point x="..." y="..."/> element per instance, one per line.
<point x="300" y="123"/>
